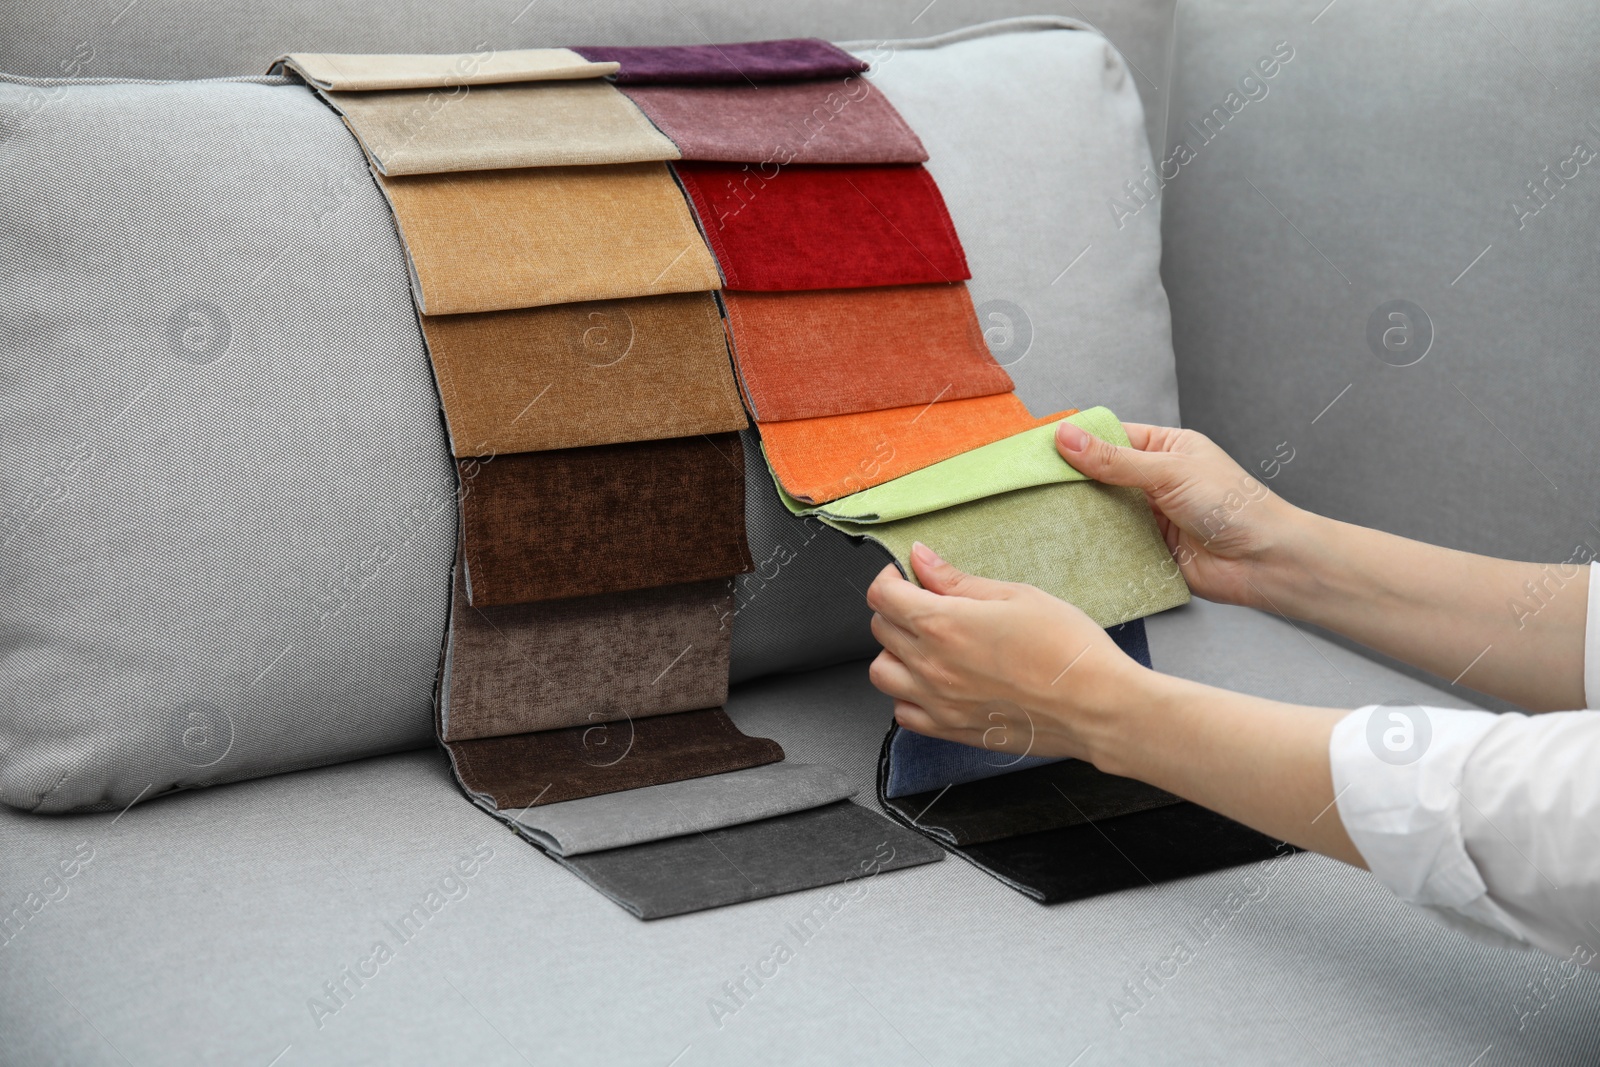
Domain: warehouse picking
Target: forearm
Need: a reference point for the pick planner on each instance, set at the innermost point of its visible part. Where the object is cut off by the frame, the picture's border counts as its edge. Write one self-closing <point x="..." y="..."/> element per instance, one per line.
<point x="1261" y="762"/>
<point x="1515" y="630"/>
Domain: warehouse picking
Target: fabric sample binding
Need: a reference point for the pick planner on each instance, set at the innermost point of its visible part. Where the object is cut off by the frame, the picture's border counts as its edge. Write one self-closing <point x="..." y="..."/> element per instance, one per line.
<point x="528" y="667"/>
<point x="585" y="521"/>
<point x="839" y="843"/>
<point x="525" y="770"/>
<point x="822" y="459"/>
<point x="812" y="227"/>
<point x="781" y="123"/>
<point x="693" y="806"/>
<point x="494" y="239"/>
<point x="542" y="124"/>
<point x="807" y="355"/>
<point x="741" y="62"/>
<point x="570" y="375"/>
<point x="356" y="71"/>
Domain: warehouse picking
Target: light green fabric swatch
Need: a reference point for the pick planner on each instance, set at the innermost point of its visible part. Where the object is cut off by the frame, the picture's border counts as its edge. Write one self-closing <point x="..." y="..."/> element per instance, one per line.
<point x="1017" y="512"/>
<point x="1017" y="462"/>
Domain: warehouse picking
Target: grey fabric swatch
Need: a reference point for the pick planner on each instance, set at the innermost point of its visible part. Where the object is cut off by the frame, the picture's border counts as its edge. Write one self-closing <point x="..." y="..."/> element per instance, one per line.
<point x="839" y="843"/>
<point x="574" y="827"/>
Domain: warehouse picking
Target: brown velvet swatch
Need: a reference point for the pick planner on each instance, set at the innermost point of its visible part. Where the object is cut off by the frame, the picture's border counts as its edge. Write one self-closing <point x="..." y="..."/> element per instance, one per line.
<point x="487" y="240"/>
<point x="585" y="660"/>
<point x="523" y="770"/>
<point x="585" y="521"/>
<point x="597" y="373"/>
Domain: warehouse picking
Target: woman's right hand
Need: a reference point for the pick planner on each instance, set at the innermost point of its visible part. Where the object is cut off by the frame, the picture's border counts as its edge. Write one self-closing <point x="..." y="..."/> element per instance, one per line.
<point x="1218" y="521"/>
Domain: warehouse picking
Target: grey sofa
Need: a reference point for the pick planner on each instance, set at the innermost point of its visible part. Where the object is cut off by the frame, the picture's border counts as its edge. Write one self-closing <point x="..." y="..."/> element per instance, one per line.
<point x="1399" y="158"/>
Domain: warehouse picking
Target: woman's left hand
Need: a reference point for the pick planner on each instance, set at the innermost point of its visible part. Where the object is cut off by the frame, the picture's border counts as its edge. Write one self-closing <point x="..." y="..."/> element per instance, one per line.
<point x="996" y="665"/>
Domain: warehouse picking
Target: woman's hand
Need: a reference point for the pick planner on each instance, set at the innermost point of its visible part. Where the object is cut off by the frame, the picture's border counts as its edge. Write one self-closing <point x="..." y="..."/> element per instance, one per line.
<point x="1218" y="521"/>
<point x="996" y="665"/>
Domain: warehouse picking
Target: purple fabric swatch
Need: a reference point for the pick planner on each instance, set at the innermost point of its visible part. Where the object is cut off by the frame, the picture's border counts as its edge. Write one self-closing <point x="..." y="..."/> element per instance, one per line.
<point x="824" y="121"/>
<point x="746" y="61"/>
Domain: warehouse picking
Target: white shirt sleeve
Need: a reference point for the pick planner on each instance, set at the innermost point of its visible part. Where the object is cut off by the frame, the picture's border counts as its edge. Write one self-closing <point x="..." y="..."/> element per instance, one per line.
<point x="1486" y="818"/>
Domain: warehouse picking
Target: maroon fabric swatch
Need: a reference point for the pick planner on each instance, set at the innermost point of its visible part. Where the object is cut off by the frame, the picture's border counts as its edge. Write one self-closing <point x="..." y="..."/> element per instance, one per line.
<point x="812" y="227"/>
<point x="525" y="770"/>
<point x="603" y="519"/>
<point x="742" y="62"/>
<point x="848" y="121"/>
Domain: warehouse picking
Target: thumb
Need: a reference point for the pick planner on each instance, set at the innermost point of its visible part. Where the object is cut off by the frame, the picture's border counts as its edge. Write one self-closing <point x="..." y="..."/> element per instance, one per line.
<point x="940" y="577"/>
<point x="1104" y="461"/>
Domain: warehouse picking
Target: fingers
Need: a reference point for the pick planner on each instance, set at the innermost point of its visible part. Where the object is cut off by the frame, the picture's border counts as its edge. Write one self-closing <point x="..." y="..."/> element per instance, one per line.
<point x="939" y="576"/>
<point x="892" y="678"/>
<point x="1106" y="462"/>
<point x="899" y="600"/>
<point x="894" y="638"/>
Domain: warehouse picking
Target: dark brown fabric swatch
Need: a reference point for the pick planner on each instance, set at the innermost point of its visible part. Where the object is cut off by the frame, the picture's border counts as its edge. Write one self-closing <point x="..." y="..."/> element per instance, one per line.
<point x="585" y="660"/>
<point x="603" y="519"/>
<point x="1028" y="801"/>
<point x="523" y="770"/>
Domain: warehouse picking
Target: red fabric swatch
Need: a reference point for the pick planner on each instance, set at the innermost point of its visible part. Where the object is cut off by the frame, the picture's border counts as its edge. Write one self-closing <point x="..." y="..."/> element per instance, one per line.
<point x="778" y="228"/>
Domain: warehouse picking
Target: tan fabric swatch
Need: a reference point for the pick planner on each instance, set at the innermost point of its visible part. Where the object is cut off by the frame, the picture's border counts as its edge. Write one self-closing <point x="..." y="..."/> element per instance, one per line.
<point x="549" y="124"/>
<point x="489" y="240"/>
<point x="586" y="660"/>
<point x="568" y="375"/>
<point x="355" y="71"/>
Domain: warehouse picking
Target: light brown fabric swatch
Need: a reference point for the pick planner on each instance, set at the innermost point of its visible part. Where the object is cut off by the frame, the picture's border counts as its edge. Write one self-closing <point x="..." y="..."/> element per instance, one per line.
<point x="357" y="71"/>
<point x="489" y="240"/>
<point x="568" y="375"/>
<point x="495" y="127"/>
<point x="587" y="660"/>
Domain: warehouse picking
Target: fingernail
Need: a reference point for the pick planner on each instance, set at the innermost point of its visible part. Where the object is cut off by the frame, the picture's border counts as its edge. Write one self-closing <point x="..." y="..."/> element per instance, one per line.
<point x="1073" y="438"/>
<point x="925" y="554"/>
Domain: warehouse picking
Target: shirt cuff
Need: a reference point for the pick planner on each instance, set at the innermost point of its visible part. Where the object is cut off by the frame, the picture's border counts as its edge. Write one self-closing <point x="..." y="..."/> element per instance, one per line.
<point x="1396" y="768"/>
<point x="1591" y="642"/>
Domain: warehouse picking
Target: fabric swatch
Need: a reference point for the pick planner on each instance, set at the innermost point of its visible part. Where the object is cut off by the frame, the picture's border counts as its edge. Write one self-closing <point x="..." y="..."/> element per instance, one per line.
<point x="822" y="459"/>
<point x="812" y="227"/>
<point x="839" y="843"/>
<point x="494" y="239"/>
<point x="605" y="519"/>
<point x="673" y="809"/>
<point x="1126" y="852"/>
<point x="781" y="123"/>
<point x="1017" y="462"/>
<point x="584" y="660"/>
<point x="1064" y="793"/>
<point x="355" y="71"/>
<point x="524" y="770"/>
<point x="569" y="375"/>
<point x="1093" y="545"/>
<point x="911" y="764"/>
<point x="540" y="124"/>
<point x="742" y="62"/>
<point x="807" y="355"/>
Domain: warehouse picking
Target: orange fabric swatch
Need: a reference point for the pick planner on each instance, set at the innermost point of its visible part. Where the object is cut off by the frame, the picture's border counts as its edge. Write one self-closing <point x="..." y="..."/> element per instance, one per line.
<point x="804" y="355"/>
<point x="817" y="460"/>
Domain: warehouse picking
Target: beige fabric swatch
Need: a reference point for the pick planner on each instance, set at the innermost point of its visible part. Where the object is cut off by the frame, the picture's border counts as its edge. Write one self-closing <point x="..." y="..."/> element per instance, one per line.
<point x="488" y="240"/>
<point x="355" y="71"/>
<point x="548" y="124"/>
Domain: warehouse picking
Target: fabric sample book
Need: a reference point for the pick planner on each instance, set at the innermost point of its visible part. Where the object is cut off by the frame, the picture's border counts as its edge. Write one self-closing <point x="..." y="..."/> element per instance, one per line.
<point x="538" y="124"/>
<point x="596" y="373"/>
<point x="781" y="123"/>
<point x="840" y="843"/>
<point x="822" y="459"/>
<point x="812" y="227"/>
<point x="355" y="71"/>
<point x="494" y="239"/>
<point x="584" y="521"/>
<point x="692" y="806"/>
<point x="524" y="770"/>
<point x="805" y="355"/>
<point x="741" y="62"/>
<point x="1021" y="461"/>
<point x="527" y="667"/>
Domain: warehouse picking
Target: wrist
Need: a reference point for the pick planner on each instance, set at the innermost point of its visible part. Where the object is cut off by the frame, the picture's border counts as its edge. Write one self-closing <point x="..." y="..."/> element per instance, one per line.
<point x="1120" y="736"/>
<point x="1291" y="560"/>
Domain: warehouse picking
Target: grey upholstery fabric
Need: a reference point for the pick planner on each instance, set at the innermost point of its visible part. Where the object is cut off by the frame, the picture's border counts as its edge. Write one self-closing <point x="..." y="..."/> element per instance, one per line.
<point x="231" y="910"/>
<point x="228" y="511"/>
<point x="1389" y="160"/>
